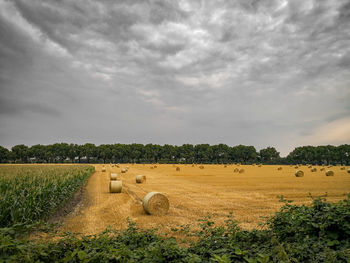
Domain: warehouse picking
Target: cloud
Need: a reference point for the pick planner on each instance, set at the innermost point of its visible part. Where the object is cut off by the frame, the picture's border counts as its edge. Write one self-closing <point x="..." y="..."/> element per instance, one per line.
<point x="254" y="72"/>
<point x="335" y="132"/>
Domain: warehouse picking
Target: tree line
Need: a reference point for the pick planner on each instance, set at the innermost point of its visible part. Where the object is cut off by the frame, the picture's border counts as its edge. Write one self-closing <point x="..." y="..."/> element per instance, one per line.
<point x="186" y="153"/>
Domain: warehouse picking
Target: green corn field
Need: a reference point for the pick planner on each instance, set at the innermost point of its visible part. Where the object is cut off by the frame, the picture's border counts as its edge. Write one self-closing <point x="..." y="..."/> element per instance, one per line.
<point x="32" y="193"/>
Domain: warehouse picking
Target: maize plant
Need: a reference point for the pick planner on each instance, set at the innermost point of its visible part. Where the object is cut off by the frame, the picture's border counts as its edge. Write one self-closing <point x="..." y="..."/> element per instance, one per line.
<point x="32" y="193"/>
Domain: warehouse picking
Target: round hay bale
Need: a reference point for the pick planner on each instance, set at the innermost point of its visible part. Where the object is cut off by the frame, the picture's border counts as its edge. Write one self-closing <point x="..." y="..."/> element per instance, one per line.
<point x="310" y="166"/>
<point x="103" y="169"/>
<point x="313" y="170"/>
<point x="225" y="166"/>
<point x="123" y="170"/>
<point x="241" y="171"/>
<point x="259" y="165"/>
<point x="115" y="186"/>
<point x="140" y="179"/>
<point x="342" y="168"/>
<point x="155" y="203"/>
<point x="151" y="167"/>
<point x="299" y="173"/>
<point x="348" y="171"/>
<point x="201" y="167"/>
<point x="127" y="167"/>
<point x="322" y="169"/>
<point x="329" y="173"/>
<point x="192" y="165"/>
<point x="115" y="177"/>
<point x="236" y="170"/>
<point x="279" y="168"/>
<point x="296" y="167"/>
<point x="177" y="168"/>
<point x="155" y="166"/>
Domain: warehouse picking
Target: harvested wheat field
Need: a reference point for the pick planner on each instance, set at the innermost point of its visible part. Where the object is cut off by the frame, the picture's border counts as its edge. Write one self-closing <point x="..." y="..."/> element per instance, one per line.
<point x="194" y="193"/>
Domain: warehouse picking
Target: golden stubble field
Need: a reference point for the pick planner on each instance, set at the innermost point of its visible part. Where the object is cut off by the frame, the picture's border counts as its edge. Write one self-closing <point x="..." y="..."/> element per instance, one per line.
<point x="194" y="193"/>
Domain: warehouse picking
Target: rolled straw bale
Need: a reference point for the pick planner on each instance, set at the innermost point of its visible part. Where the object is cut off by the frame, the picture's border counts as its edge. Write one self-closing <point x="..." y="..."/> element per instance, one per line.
<point x="299" y="173"/>
<point x="151" y="167"/>
<point x="177" y="168"/>
<point x="348" y="171"/>
<point x="296" y="167"/>
<point x="155" y="166"/>
<point x="155" y="203"/>
<point x="103" y="169"/>
<point x="322" y="169"/>
<point x="225" y="166"/>
<point x="192" y="165"/>
<point x="201" y="167"/>
<point x="259" y="165"/>
<point x="329" y="173"/>
<point x="140" y="179"/>
<point x="124" y="170"/>
<point x="310" y="166"/>
<point x="115" y="186"/>
<point x="342" y="168"/>
<point x="279" y="168"/>
<point x="127" y="167"/>
<point x="314" y="169"/>
<point x="236" y="170"/>
<point x="115" y="177"/>
<point x="241" y="171"/>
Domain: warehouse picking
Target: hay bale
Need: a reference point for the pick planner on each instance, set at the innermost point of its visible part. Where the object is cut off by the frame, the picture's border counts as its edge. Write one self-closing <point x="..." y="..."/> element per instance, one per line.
<point x="177" y="168"/>
<point x="299" y="173"/>
<point x="103" y="169"/>
<point x="127" y="167"/>
<point x="140" y="179"/>
<point x="155" y="203"/>
<point x="241" y="171"/>
<point x="329" y="173"/>
<point x="296" y="167"/>
<point x="192" y="165"/>
<point x="124" y="171"/>
<point x="115" y="177"/>
<point x="342" y="168"/>
<point x="322" y="169"/>
<point x="313" y="170"/>
<point x="310" y="166"/>
<point x="348" y="171"/>
<point x="115" y="186"/>
<point x="279" y="168"/>
<point x="225" y="166"/>
<point x="236" y="170"/>
<point x="201" y="167"/>
<point x="259" y="165"/>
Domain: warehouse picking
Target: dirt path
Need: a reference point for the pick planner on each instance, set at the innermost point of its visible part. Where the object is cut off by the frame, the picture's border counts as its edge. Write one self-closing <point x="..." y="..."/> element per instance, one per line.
<point x="194" y="192"/>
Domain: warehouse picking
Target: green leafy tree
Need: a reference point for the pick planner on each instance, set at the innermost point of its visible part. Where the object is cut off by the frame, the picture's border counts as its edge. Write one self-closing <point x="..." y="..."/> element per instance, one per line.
<point x="4" y="154"/>
<point x="21" y="152"/>
<point x="269" y="154"/>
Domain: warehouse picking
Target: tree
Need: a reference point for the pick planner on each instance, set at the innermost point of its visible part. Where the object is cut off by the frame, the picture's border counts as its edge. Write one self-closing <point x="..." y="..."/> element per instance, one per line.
<point x="89" y="149"/>
<point x="21" y="152"/>
<point x="4" y="154"/>
<point x="269" y="154"/>
<point x="38" y="152"/>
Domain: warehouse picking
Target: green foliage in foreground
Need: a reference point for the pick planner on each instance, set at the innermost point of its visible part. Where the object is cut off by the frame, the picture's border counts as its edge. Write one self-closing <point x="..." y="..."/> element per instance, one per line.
<point x="29" y="194"/>
<point x="316" y="233"/>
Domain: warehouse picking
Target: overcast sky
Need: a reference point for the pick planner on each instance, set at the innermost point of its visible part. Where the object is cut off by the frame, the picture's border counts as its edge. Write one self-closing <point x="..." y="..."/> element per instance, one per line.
<point x="261" y="73"/>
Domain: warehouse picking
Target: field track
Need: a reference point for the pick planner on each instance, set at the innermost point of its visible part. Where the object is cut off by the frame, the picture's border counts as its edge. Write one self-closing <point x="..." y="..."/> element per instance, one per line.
<point x="194" y="192"/>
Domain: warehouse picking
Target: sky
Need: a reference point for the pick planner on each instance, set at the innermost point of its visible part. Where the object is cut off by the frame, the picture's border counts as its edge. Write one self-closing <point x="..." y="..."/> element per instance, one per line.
<point x="261" y="73"/>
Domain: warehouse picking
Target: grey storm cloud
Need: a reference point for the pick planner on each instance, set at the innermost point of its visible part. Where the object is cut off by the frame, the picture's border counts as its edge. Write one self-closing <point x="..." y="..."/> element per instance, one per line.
<point x="262" y="73"/>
